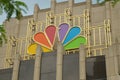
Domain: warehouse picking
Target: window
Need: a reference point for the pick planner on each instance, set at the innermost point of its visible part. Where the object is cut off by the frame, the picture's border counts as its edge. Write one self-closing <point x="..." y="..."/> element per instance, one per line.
<point x="78" y="1"/>
<point x="97" y="1"/>
<point x="61" y="0"/>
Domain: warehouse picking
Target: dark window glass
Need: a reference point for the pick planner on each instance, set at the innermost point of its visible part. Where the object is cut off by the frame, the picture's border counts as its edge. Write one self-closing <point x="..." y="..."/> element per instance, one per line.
<point x="48" y="66"/>
<point x="26" y="70"/>
<point x="95" y="68"/>
<point x="6" y="74"/>
<point x="71" y="67"/>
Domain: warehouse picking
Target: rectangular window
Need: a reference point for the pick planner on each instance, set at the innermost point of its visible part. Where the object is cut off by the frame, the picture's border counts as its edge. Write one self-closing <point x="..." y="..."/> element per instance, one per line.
<point x="78" y="1"/>
<point x="61" y="0"/>
<point x="96" y="68"/>
<point x="71" y="67"/>
<point x="97" y="1"/>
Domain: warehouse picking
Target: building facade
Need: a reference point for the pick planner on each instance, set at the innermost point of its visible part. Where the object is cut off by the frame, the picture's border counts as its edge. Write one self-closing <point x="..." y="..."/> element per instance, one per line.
<point x="100" y="26"/>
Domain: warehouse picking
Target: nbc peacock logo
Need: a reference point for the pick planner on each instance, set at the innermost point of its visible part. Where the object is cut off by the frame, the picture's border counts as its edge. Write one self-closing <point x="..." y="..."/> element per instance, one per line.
<point x="69" y="36"/>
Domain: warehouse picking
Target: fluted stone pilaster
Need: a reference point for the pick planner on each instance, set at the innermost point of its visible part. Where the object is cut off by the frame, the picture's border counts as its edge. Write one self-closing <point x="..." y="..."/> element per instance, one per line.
<point x="111" y="64"/>
<point x="37" y="67"/>
<point x="36" y="10"/>
<point x="71" y="2"/>
<point x="59" y="64"/>
<point x="53" y="4"/>
<point x="16" y="67"/>
<point x="108" y="10"/>
<point x="82" y="68"/>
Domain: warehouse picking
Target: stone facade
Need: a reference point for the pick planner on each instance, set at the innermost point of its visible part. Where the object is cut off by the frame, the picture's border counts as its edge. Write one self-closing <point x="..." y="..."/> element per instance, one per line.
<point x="98" y="15"/>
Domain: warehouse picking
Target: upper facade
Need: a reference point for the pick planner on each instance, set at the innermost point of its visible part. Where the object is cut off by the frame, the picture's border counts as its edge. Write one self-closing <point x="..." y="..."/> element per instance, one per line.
<point x="100" y="25"/>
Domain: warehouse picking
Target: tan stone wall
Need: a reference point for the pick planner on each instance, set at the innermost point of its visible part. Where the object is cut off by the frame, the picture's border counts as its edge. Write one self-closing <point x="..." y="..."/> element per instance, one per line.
<point x="79" y="8"/>
<point x="60" y="7"/>
<point x="2" y="55"/>
<point x="115" y="18"/>
<point x="23" y="27"/>
<point x="98" y="14"/>
<point x="12" y="27"/>
<point x="42" y="15"/>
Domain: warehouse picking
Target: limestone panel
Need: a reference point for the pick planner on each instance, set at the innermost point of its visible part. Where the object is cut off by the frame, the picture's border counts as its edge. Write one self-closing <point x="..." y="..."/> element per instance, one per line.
<point x="11" y="27"/>
<point x="42" y="14"/>
<point x="79" y="8"/>
<point x="115" y="19"/>
<point x="23" y="27"/>
<point x="60" y="7"/>
<point x="2" y="62"/>
<point x="98" y="15"/>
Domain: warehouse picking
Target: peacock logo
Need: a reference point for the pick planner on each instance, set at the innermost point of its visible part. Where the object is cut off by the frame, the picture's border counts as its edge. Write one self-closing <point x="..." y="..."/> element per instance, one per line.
<point x="69" y="36"/>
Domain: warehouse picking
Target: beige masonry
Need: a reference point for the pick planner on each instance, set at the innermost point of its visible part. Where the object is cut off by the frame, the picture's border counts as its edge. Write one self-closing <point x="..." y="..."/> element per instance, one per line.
<point x="59" y="64"/>
<point x="16" y="67"/>
<point x="82" y="70"/>
<point x="98" y="15"/>
<point x="37" y="68"/>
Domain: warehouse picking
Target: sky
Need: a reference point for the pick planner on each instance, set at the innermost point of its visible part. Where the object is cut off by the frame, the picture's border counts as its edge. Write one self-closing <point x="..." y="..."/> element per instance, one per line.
<point x="30" y="3"/>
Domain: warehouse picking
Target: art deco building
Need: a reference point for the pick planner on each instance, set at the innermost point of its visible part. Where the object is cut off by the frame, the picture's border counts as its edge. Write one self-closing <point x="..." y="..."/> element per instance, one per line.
<point x="97" y="59"/>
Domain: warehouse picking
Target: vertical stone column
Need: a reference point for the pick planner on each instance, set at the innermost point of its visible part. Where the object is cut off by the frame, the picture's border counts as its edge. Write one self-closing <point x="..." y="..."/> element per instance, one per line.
<point x="108" y="10"/>
<point x="53" y="5"/>
<point x="88" y="3"/>
<point x="71" y="2"/>
<point x="111" y="64"/>
<point x="118" y="54"/>
<point x="60" y="52"/>
<point x="88" y="6"/>
<point x="37" y="67"/>
<point x="82" y="67"/>
<point x="18" y="31"/>
<point x="36" y="10"/>
<point x="16" y="67"/>
<point x="112" y="53"/>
